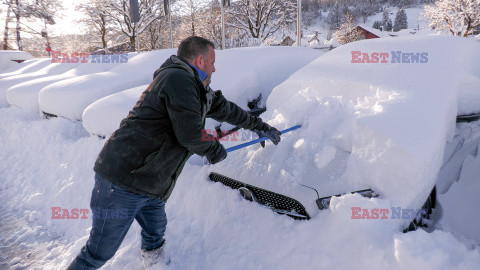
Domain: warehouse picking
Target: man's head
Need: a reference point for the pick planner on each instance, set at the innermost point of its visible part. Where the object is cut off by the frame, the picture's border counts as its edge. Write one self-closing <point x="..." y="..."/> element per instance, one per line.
<point x="200" y="53"/>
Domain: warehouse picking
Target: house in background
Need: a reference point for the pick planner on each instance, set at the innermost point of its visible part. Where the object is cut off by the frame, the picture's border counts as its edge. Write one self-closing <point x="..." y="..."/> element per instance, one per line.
<point x="370" y="32"/>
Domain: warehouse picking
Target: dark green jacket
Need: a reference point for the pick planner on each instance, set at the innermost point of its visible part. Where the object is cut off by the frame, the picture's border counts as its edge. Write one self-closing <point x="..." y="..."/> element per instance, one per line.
<point x="148" y="152"/>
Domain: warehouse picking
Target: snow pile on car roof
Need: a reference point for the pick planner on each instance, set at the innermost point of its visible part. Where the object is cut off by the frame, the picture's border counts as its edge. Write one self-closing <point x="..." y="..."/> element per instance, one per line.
<point x="7" y="58"/>
<point x="68" y="98"/>
<point x="25" y="94"/>
<point x="48" y="70"/>
<point x="27" y="66"/>
<point x="242" y="74"/>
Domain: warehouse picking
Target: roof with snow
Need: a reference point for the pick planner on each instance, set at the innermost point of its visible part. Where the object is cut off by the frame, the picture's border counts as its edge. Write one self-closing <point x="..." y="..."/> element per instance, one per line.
<point x="374" y="31"/>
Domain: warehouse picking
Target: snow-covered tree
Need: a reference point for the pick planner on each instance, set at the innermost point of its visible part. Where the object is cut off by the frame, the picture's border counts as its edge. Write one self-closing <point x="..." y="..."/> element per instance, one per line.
<point x="43" y="11"/>
<point x="119" y="10"/>
<point x="191" y="18"/>
<point x="404" y="3"/>
<point x="311" y="11"/>
<point x="97" y="19"/>
<point x="458" y="17"/>
<point x="8" y="19"/>
<point x="377" y="24"/>
<point x="364" y="8"/>
<point x="386" y="21"/>
<point x="156" y="36"/>
<point x="348" y="31"/>
<point x="400" y="20"/>
<point x="334" y="17"/>
<point x="261" y="18"/>
<point x="211" y="25"/>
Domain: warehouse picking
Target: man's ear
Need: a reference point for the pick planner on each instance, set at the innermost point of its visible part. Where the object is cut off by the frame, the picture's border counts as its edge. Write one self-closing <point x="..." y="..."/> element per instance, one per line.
<point x="201" y="61"/>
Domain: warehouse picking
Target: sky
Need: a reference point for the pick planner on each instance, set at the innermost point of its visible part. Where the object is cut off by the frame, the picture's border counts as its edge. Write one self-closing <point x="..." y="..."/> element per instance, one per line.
<point x="65" y="22"/>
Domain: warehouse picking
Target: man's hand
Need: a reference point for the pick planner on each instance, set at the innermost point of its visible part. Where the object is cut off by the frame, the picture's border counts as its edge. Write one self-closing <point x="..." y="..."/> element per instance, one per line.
<point x="219" y="157"/>
<point x="265" y="130"/>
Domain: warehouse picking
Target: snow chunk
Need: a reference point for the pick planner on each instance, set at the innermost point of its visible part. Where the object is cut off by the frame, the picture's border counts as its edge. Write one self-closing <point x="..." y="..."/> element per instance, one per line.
<point x="323" y="158"/>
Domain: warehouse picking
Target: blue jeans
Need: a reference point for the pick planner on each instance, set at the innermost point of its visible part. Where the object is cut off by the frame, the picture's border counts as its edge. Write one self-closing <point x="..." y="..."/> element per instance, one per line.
<point x="114" y="209"/>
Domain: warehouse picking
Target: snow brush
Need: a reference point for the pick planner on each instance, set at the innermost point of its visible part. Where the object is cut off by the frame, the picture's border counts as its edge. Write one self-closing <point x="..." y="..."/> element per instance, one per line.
<point x="233" y="148"/>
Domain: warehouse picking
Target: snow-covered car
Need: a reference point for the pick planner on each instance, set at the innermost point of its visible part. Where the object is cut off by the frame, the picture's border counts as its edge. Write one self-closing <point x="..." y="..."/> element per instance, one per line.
<point x="8" y="59"/>
<point x="242" y="74"/>
<point x="374" y="116"/>
<point x="48" y="69"/>
<point x="25" y="94"/>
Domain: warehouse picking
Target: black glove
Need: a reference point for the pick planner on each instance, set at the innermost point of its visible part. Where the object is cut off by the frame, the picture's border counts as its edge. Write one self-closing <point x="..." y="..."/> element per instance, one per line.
<point x="212" y="159"/>
<point x="265" y="130"/>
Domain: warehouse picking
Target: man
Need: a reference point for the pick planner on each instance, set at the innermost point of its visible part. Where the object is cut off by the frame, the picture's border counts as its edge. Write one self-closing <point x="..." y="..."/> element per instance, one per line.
<point x="137" y="168"/>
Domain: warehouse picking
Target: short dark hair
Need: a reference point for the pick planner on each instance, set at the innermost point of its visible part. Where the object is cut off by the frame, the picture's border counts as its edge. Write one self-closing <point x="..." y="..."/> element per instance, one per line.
<point x="194" y="46"/>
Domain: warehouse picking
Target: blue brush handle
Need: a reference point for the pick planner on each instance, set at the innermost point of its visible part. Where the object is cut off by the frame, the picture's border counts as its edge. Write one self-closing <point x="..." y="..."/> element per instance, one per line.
<point x="233" y="148"/>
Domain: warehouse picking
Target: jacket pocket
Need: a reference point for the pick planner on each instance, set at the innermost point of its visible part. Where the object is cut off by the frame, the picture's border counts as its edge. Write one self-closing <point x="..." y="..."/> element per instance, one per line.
<point x="145" y="164"/>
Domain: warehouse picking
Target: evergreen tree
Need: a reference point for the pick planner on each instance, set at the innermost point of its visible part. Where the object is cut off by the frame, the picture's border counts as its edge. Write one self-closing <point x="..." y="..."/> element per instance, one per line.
<point x="334" y="18"/>
<point x="376" y="24"/>
<point x="400" y="20"/>
<point x="386" y="21"/>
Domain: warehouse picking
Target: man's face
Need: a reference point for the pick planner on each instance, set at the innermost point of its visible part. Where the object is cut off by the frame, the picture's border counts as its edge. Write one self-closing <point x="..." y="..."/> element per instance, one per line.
<point x="207" y="64"/>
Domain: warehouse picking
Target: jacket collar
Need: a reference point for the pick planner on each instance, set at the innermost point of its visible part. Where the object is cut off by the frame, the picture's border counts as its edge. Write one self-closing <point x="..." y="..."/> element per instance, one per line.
<point x="178" y="62"/>
<point x="202" y="74"/>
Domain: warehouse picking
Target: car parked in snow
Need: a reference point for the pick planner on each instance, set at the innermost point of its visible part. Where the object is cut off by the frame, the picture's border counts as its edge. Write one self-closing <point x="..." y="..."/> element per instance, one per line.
<point x="385" y="129"/>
